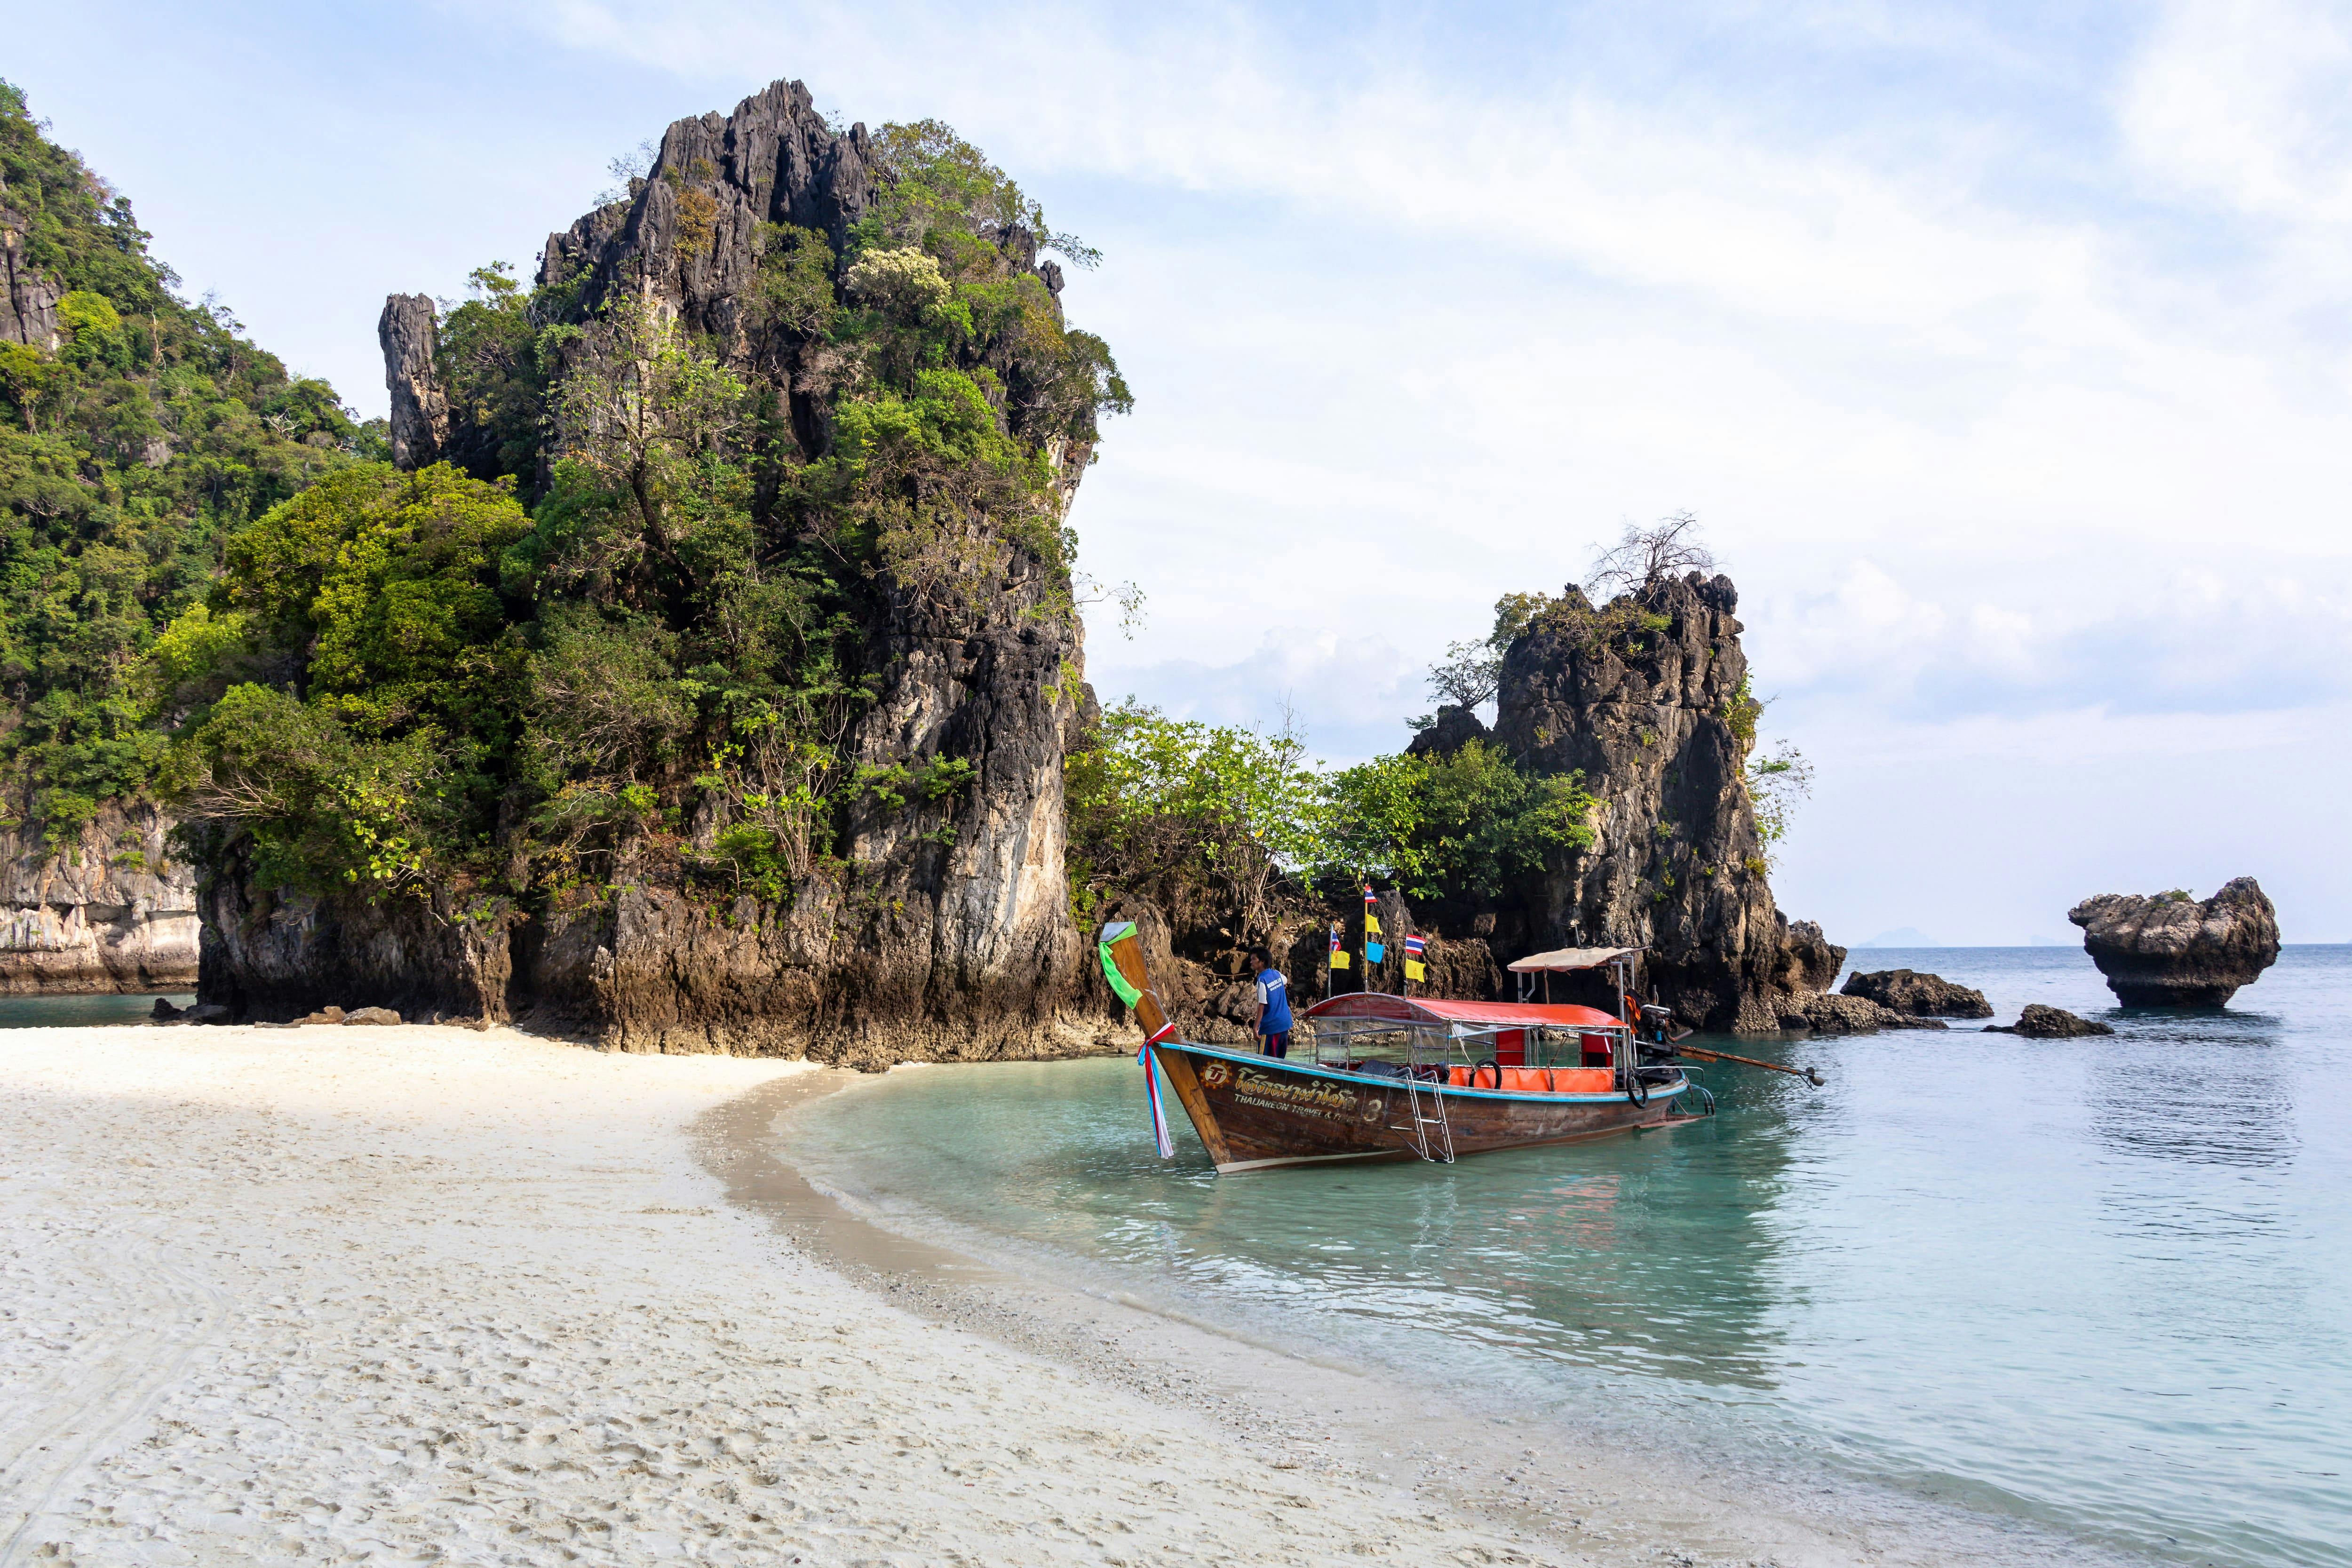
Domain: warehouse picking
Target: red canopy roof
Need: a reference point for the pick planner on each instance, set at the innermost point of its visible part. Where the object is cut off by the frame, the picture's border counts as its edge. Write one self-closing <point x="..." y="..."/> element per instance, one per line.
<point x="1477" y="1014"/>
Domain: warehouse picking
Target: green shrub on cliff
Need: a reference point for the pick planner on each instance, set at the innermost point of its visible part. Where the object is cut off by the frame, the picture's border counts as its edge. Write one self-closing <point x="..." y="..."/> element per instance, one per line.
<point x="379" y="757"/>
<point x="129" y="447"/>
<point x="1201" y="818"/>
<point x="1461" y="827"/>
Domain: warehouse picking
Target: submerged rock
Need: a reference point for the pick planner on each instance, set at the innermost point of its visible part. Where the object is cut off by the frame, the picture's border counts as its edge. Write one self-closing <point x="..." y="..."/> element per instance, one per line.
<point x="1828" y="1013"/>
<point x="1920" y="995"/>
<point x="2164" y="949"/>
<point x="2040" y="1023"/>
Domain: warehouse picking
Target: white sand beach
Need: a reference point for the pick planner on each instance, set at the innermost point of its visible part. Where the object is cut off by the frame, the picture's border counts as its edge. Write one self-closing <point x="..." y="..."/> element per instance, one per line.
<point x="334" y="1295"/>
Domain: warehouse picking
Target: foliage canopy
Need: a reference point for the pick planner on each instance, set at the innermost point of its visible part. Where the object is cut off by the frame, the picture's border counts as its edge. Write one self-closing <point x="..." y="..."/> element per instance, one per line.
<point x="131" y="446"/>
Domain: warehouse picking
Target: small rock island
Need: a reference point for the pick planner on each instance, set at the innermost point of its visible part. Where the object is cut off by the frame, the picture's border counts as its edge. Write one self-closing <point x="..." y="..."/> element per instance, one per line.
<point x="2166" y="950"/>
<point x="1919" y="995"/>
<point x="2038" y="1022"/>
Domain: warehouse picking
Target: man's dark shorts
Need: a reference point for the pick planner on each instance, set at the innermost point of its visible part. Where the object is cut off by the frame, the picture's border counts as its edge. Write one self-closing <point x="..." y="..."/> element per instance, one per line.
<point x="1275" y="1045"/>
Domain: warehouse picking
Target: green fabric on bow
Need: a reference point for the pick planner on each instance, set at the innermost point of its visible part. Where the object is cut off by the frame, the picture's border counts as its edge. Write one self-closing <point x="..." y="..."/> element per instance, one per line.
<point x="1118" y="983"/>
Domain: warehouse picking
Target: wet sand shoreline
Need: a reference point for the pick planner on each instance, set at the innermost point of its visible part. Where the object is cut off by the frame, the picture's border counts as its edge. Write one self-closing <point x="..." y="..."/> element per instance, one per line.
<point x="1323" y="1414"/>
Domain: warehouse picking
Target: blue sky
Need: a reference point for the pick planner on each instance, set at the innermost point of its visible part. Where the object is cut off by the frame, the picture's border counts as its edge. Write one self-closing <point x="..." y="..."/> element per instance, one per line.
<point x="2006" y="353"/>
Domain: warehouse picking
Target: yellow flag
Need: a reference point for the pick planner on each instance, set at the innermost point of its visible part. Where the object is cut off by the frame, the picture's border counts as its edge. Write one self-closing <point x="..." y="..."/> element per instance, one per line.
<point x="1339" y="959"/>
<point x="1371" y="923"/>
<point x="1413" y="970"/>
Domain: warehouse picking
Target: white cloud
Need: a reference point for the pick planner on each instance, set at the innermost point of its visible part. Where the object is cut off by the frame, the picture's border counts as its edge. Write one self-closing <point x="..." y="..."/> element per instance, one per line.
<point x="2244" y="100"/>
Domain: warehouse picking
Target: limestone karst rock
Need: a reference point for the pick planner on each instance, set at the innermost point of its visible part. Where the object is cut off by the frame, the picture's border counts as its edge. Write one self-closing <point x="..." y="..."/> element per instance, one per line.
<point x="688" y="233"/>
<point x="948" y="932"/>
<point x="112" y="910"/>
<point x="2038" y="1022"/>
<point x="29" y="301"/>
<point x="1809" y="960"/>
<point x="2163" y="950"/>
<point x="1648" y="710"/>
<point x="1454" y="728"/>
<point x="420" y="408"/>
<point x="1921" y="996"/>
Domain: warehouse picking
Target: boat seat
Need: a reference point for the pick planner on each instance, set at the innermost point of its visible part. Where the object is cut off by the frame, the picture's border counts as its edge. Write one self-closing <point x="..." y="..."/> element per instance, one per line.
<point x="1535" y="1080"/>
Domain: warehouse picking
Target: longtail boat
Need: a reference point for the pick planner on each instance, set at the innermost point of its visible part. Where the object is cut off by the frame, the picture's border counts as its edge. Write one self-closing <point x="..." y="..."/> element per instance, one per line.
<point x="1403" y="1078"/>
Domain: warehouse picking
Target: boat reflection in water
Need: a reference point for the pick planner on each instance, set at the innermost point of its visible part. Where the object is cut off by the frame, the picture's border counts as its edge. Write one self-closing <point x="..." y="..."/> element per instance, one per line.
<point x="1524" y="1269"/>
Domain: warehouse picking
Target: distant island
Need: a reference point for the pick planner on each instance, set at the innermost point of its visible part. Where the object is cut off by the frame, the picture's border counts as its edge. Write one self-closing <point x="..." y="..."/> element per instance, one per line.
<point x="1901" y="936"/>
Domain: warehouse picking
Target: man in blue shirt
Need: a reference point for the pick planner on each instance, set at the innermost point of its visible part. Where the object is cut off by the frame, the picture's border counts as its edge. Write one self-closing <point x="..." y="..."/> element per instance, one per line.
<point x="1272" y="1005"/>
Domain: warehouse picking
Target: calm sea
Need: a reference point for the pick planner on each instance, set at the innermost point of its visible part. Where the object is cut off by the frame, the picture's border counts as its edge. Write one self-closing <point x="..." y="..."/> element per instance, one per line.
<point x="2103" y="1284"/>
<point x="73" y="1011"/>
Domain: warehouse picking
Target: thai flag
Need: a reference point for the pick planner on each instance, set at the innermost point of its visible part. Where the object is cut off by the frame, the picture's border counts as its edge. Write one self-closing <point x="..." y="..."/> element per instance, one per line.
<point x="1369" y="899"/>
<point x="1335" y="938"/>
<point x="1412" y="947"/>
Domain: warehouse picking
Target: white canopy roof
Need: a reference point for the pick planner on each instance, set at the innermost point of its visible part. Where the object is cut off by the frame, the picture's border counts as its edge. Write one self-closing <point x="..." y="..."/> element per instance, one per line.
<point x="1571" y="958"/>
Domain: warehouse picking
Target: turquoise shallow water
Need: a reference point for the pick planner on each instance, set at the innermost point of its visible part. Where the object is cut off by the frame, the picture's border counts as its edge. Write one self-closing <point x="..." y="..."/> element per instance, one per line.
<point x="73" y="1011"/>
<point x="2104" y="1285"/>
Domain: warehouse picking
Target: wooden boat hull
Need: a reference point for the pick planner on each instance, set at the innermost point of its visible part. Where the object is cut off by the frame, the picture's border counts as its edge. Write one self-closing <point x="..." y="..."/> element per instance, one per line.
<point x="1254" y="1112"/>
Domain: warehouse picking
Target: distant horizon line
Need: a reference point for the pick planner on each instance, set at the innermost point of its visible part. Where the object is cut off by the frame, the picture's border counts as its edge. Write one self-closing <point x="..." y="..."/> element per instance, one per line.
<point x="1942" y="946"/>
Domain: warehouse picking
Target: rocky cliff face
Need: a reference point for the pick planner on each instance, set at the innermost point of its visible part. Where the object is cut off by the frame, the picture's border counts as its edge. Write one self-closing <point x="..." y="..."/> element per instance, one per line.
<point x="689" y="233"/>
<point x="1647" y="709"/>
<point x="274" y="954"/>
<point x="949" y="933"/>
<point x="420" y="409"/>
<point x="953" y="940"/>
<point x="114" y="912"/>
<point x="2164" y="949"/>
<point x="28" y="301"/>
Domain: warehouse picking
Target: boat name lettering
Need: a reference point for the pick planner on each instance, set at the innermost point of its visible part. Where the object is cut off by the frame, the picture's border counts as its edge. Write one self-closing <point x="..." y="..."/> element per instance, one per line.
<point x="1254" y="1088"/>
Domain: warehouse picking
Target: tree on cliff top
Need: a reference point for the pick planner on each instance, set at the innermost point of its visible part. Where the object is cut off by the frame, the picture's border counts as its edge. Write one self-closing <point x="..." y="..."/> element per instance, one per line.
<point x="1468" y="674"/>
<point x="1667" y="548"/>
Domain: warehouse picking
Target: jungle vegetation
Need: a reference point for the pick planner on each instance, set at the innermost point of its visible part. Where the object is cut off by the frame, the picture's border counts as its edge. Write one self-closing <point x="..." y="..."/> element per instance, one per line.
<point x="627" y="624"/>
<point x="130" y="449"/>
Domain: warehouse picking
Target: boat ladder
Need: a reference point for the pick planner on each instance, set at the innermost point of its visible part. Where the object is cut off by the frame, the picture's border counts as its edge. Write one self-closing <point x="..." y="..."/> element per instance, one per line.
<point x="1433" y="1135"/>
